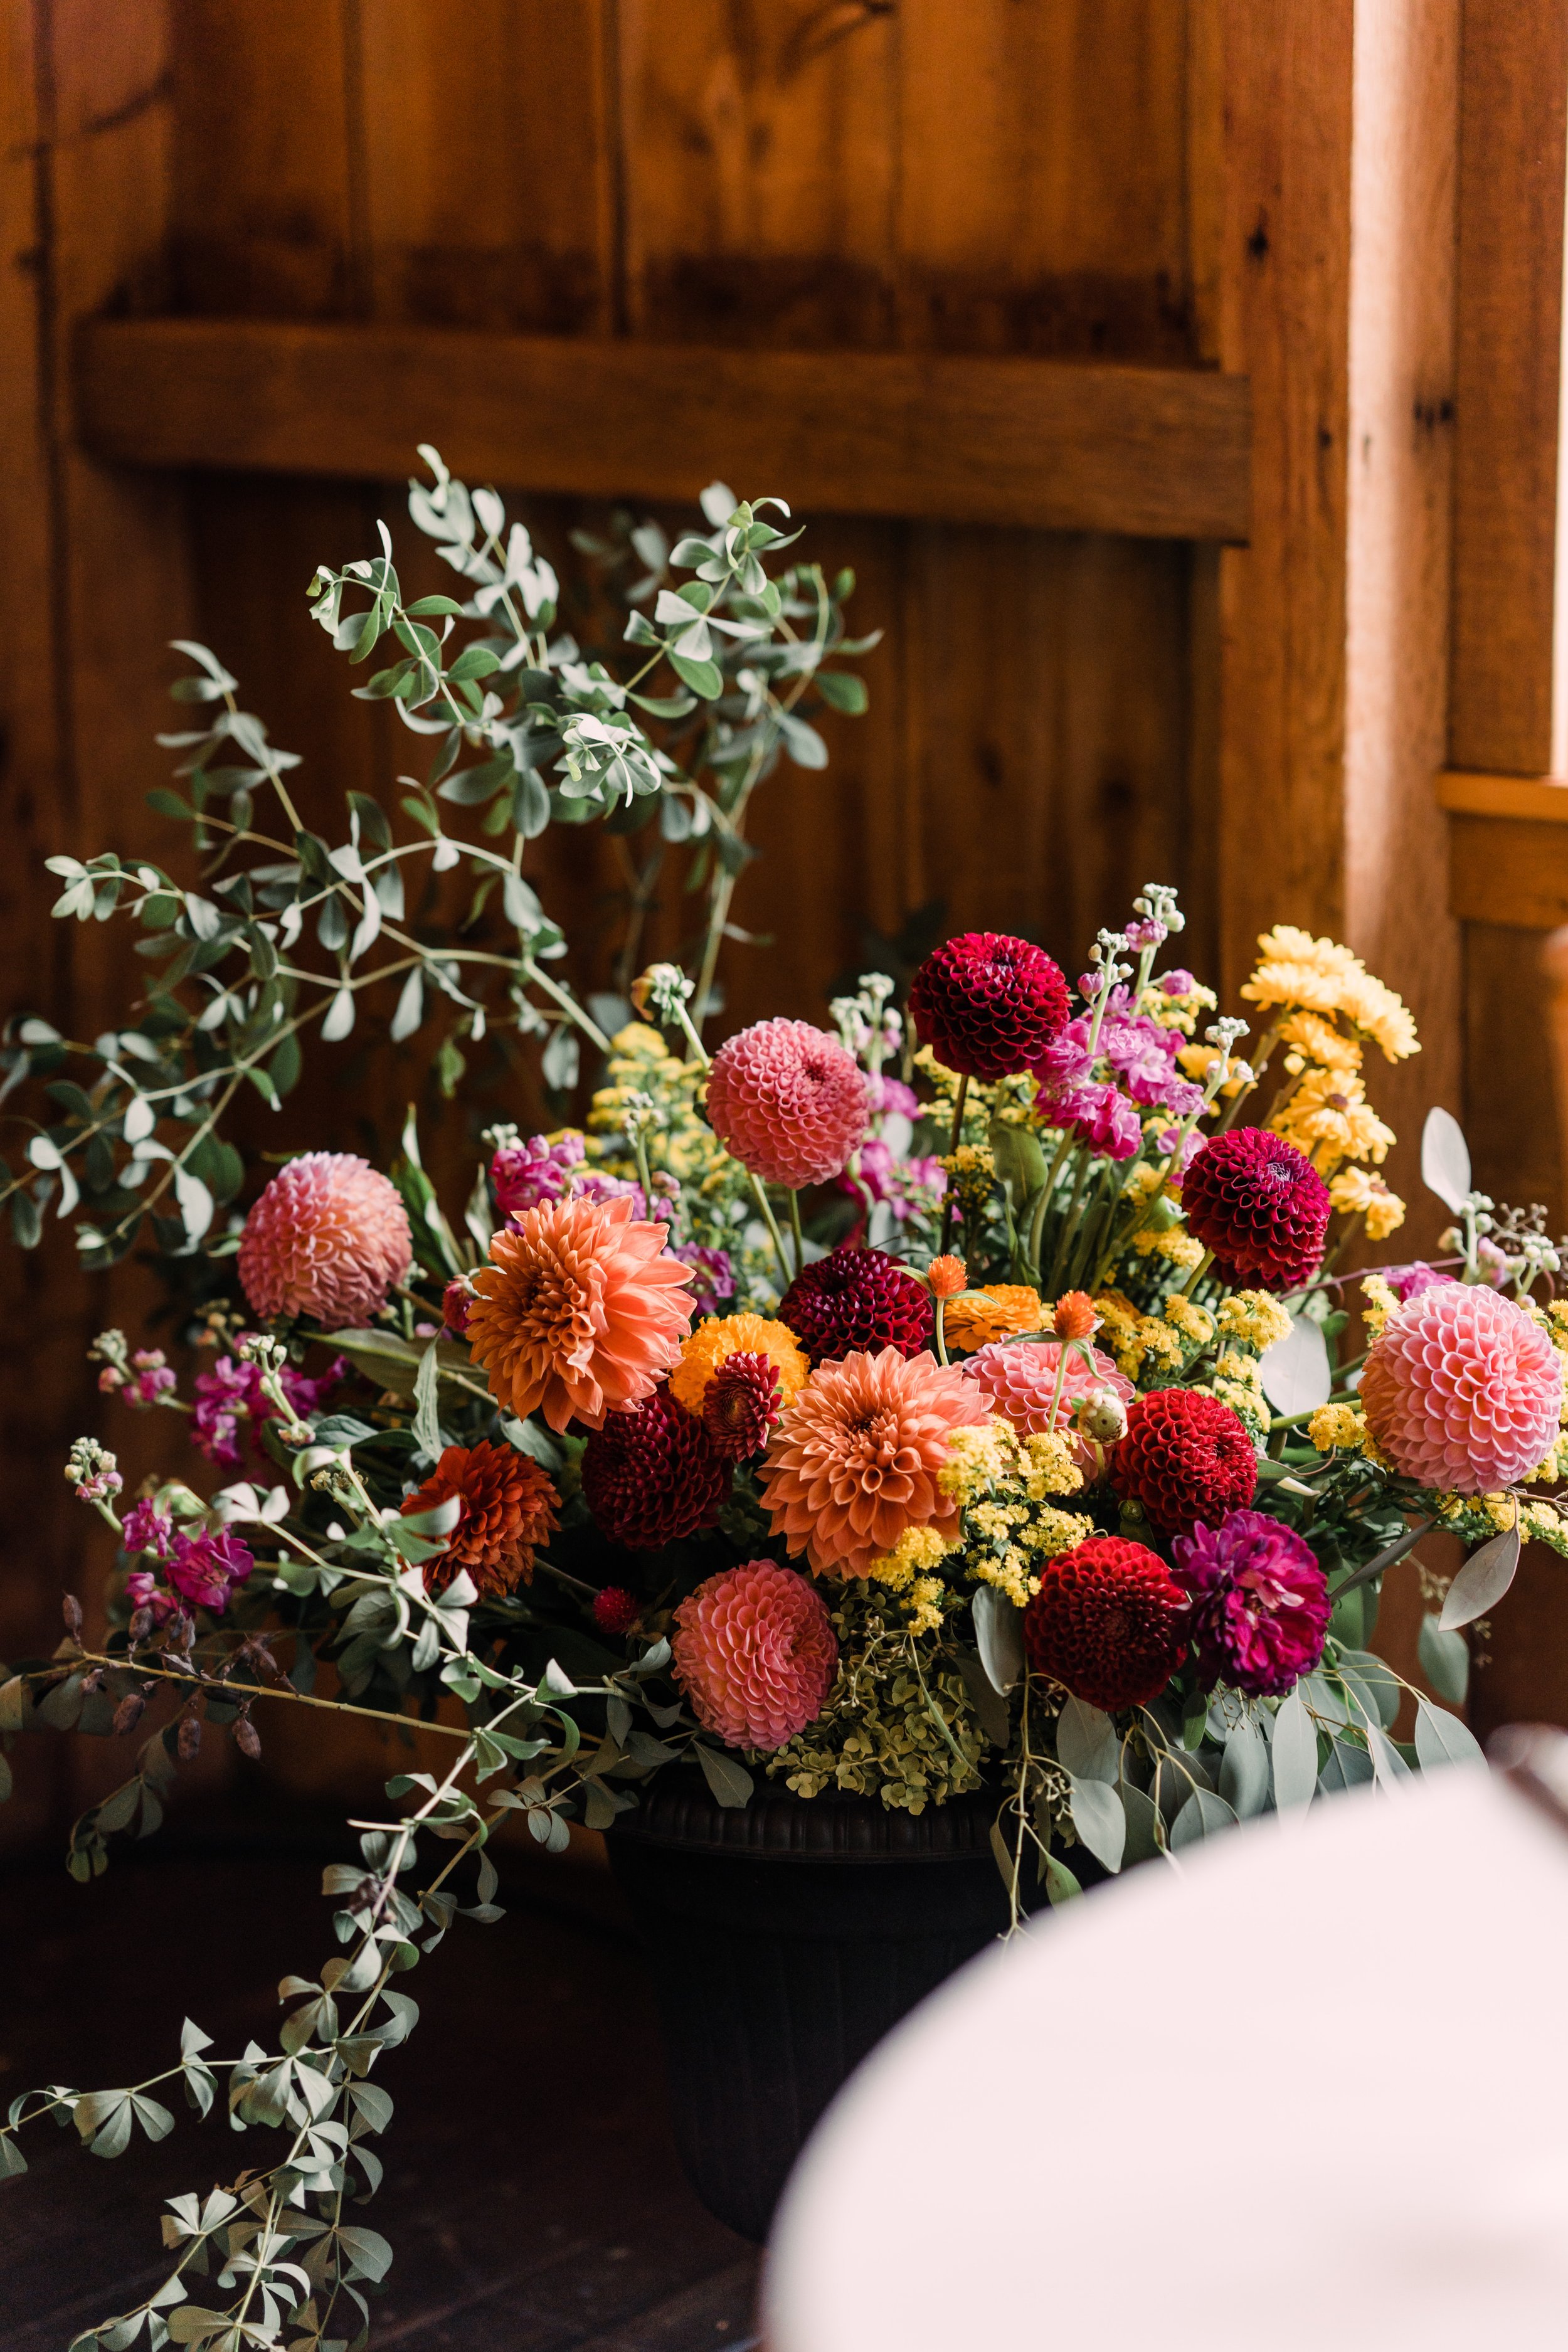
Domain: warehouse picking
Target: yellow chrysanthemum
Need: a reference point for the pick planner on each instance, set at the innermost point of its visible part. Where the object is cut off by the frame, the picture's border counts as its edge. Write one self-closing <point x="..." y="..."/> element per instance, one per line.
<point x="978" y="1457"/>
<point x="1308" y="1039"/>
<point x="1360" y="1194"/>
<point x="1001" y="1310"/>
<point x="731" y="1335"/>
<point x="1050" y="1465"/>
<point x="1329" y="1118"/>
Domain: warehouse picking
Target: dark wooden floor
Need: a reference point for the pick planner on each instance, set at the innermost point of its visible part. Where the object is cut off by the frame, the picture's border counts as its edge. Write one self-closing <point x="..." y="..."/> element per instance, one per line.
<point x="531" y="2191"/>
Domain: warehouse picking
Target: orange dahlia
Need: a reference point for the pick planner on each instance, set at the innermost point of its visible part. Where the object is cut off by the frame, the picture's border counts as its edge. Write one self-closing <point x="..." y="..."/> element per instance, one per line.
<point x="998" y="1312"/>
<point x="579" y="1312"/>
<point x="509" y="1510"/>
<point x="732" y="1335"/>
<point x="855" y="1462"/>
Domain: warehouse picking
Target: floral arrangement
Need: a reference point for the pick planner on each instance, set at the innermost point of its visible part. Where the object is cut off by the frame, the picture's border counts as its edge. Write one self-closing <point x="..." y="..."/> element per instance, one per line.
<point x="956" y="1400"/>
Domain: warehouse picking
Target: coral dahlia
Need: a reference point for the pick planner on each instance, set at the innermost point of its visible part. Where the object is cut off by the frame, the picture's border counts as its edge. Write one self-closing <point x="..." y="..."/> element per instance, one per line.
<point x="1108" y="1624"/>
<point x="756" y="1335"/>
<point x="1185" y="1458"/>
<point x="788" y="1101"/>
<point x="579" y="1311"/>
<point x="1260" y="1602"/>
<point x="1261" y="1205"/>
<point x="1020" y="1382"/>
<point x="756" y="1654"/>
<point x="328" y="1237"/>
<point x="988" y="1005"/>
<point x="856" y="1299"/>
<point x="509" y="1511"/>
<point x="650" y="1475"/>
<point x="1463" y="1390"/>
<point x="855" y="1461"/>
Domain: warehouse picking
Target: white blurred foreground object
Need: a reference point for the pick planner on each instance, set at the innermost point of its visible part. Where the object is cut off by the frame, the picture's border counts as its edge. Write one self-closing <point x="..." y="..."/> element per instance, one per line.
<point x="1312" y="2089"/>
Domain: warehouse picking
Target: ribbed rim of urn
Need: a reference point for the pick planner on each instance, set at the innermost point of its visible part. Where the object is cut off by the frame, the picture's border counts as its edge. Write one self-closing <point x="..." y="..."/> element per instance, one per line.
<point x="778" y="1826"/>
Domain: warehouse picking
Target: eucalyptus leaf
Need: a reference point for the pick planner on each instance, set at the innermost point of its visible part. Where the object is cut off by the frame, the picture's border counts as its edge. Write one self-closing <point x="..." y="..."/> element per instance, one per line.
<point x="1203" y="1814"/>
<point x="1446" y="1158"/>
<point x="1482" y="1581"/>
<point x="1295" y="1372"/>
<point x="1444" y="1659"/>
<point x="1087" y="1745"/>
<point x="1294" y="1750"/>
<point x="1442" y="1738"/>
<point x="1099" y="1820"/>
<point x="727" y="1778"/>
<point x="998" y="1635"/>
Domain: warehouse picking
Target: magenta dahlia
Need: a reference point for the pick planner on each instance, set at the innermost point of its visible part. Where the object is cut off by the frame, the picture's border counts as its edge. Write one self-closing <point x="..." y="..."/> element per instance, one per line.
<point x="1260" y="1603"/>
<point x="788" y="1101"/>
<point x="856" y="1299"/>
<point x="328" y="1237"/>
<point x="650" y="1475"/>
<point x="1185" y="1457"/>
<point x="1108" y="1624"/>
<point x="756" y="1654"/>
<point x="1261" y="1205"/>
<point x="1463" y="1390"/>
<point x="988" y="1005"/>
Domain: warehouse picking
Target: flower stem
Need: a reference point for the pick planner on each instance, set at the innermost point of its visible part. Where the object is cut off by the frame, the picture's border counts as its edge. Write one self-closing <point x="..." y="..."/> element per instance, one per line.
<point x="796" y="1231"/>
<point x="957" y="1138"/>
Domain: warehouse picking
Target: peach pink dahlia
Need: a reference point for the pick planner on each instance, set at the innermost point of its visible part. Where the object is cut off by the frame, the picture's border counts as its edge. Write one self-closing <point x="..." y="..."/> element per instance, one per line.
<point x="788" y="1101"/>
<point x="1020" y="1381"/>
<point x="580" y="1311"/>
<point x="855" y="1461"/>
<point x="1463" y="1389"/>
<point x="328" y="1237"/>
<point x="756" y="1654"/>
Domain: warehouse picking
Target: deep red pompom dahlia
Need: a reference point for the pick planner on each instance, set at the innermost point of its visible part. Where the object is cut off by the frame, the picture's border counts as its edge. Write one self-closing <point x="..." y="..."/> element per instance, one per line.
<point x="1108" y="1623"/>
<point x="1261" y="1205"/>
<point x="988" y="1005"/>
<point x="1187" y="1458"/>
<point x="856" y="1299"/>
<point x="740" y="1405"/>
<point x="651" y="1475"/>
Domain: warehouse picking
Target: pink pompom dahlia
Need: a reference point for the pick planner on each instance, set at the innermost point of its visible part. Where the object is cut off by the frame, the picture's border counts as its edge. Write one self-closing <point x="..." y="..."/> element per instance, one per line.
<point x="756" y="1654"/>
<point x="788" y="1101"/>
<point x="857" y="1459"/>
<point x="1463" y="1390"/>
<point x="1020" y="1382"/>
<point x="580" y="1311"/>
<point x="328" y="1237"/>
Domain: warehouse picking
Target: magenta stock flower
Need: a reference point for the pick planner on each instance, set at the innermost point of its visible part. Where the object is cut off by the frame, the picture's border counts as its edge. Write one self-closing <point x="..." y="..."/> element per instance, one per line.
<point x="788" y="1101"/>
<point x="328" y="1237"/>
<point x="205" y="1567"/>
<point x="756" y="1654"/>
<point x="231" y="1393"/>
<point x="144" y="1591"/>
<point x="1260" y="1602"/>
<point x="712" y="1275"/>
<point x="147" y="1530"/>
<point x="1463" y="1389"/>
<point x="523" y="1174"/>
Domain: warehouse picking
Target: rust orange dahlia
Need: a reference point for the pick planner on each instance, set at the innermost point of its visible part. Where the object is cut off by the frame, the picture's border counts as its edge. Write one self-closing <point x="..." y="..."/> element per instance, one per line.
<point x="580" y="1311"/>
<point x="736" y="1335"/>
<point x="509" y="1510"/>
<point x="856" y="1460"/>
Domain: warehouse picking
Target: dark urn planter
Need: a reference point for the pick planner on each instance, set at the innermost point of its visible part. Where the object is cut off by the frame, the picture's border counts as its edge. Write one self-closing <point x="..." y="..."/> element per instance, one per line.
<point x="784" y="1940"/>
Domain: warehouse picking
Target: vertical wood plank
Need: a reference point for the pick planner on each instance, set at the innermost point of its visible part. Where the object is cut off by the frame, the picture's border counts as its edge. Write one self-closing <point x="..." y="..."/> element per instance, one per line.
<point x="1505" y="715"/>
<point x="1401" y="362"/>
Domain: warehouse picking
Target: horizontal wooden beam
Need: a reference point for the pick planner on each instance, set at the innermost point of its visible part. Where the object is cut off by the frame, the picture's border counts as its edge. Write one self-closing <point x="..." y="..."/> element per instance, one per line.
<point x="1149" y="452"/>
<point x="1541" y="799"/>
<point x="1508" y="848"/>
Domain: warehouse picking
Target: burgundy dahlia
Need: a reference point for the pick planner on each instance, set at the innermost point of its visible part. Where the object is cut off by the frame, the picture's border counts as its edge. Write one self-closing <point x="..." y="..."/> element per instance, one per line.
<point x="1187" y="1458"/>
<point x="1260" y="1602"/>
<point x="1261" y="1205"/>
<point x="1108" y="1624"/>
<point x="988" y="1005"/>
<point x="740" y="1405"/>
<point x="651" y="1475"/>
<point x="856" y="1299"/>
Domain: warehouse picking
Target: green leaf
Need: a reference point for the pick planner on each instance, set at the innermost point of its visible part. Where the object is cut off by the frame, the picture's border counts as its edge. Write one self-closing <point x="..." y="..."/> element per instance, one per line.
<point x="429" y="607"/>
<point x="427" y="1421"/>
<point x="1200" y="1817"/>
<point x="1244" y="1770"/>
<point x="1482" y="1581"/>
<point x="841" y="691"/>
<point x="367" y="2250"/>
<point x="1061" y="1886"/>
<point x="729" y="1781"/>
<point x="1442" y="1738"/>
<point x="704" y="677"/>
<point x="1087" y="1745"/>
<point x="1444" y="1659"/>
<point x="1099" y="1820"/>
<point x="475" y="661"/>
<point x="12" y="2163"/>
<point x="1295" y="1748"/>
<point x="286" y="1066"/>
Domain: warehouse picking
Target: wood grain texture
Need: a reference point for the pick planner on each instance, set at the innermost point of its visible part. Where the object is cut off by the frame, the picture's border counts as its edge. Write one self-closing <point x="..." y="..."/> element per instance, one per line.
<point x="1143" y="452"/>
<point x="1508" y="870"/>
<point x="1504" y="710"/>
<point x="1401" y="358"/>
<point x="1544" y="798"/>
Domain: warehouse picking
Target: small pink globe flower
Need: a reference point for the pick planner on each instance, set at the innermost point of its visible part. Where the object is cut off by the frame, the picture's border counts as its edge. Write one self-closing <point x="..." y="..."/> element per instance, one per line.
<point x="328" y="1237"/>
<point x="1463" y="1390"/>
<point x="788" y="1101"/>
<point x="756" y="1654"/>
<point x="1021" y="1380"/>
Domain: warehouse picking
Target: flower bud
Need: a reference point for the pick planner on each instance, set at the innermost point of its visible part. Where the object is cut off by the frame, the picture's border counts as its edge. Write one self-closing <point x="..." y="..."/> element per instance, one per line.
<point x="1103" y="1416"/>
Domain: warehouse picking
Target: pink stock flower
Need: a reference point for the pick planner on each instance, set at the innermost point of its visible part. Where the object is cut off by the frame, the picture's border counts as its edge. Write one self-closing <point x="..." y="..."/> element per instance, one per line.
<point x="1463" y="1390"/>
<point x="144" y="1591"/>
<point x="756" y="1654"/>
<point x="145" y="1529"/>
<point x="328" y="1237"/>
<point x="232" y="1394"/>
<point x="523" y="1174"/>
<point x="788" y="1101"/>
<point x="205" y="1567"/>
